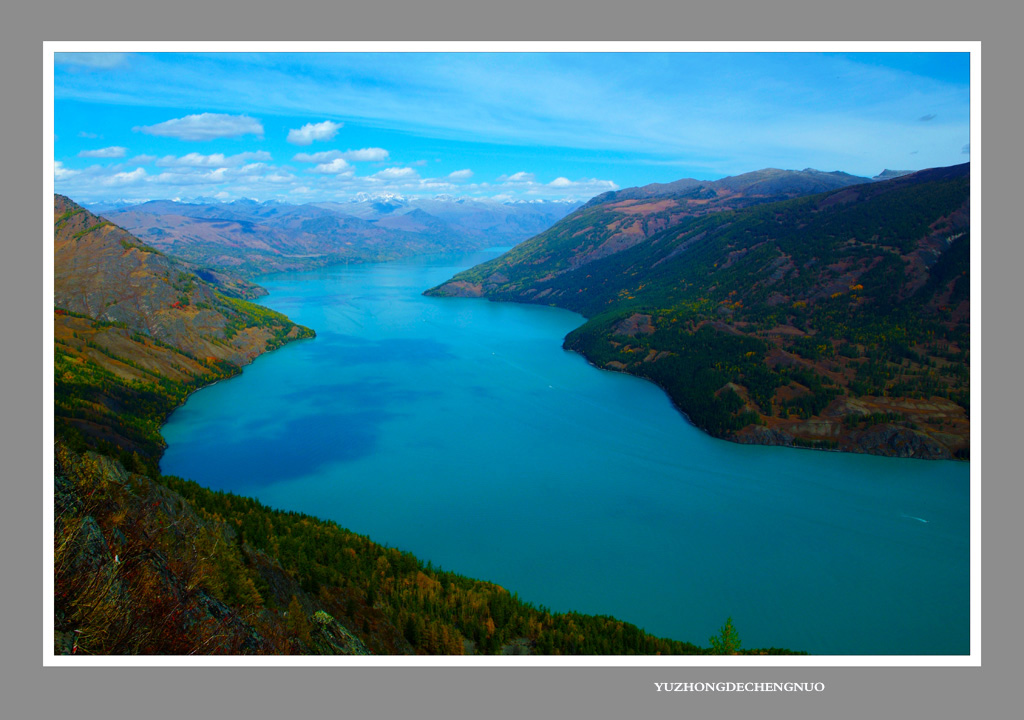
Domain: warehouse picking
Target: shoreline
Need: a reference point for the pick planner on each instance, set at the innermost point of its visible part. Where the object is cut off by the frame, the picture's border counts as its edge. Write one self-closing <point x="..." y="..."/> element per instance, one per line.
<point x="238" y="371"/>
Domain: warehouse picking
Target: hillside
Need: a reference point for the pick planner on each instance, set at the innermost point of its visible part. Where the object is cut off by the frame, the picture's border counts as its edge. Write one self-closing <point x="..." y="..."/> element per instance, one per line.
<point x="164" y="566"/>
<point x="616" y="221"/>
<point x="135" y="331"/>
<point x="836" y="320"/>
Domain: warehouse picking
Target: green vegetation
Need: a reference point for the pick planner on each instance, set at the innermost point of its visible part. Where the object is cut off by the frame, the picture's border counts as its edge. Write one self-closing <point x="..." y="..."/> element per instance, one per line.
<point x="727" y="641"/>
<point x="243" y="314"/>
<point x="99" y="403"/>
<point x="135" y="245"/>
<point x="687" y="375"/>
<point x="92" y="228"/>
<point x="96" y="408"/>
<point x="63" y="218"/>
<point x="435" y="610"/>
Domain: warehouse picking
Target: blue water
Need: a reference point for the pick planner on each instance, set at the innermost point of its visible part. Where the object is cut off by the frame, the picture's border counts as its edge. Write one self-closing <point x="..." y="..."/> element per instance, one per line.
<point x="459" y="430"/>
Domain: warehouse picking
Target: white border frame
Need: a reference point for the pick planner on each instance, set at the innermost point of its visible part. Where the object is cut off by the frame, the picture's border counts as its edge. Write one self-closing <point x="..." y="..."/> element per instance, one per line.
<point x="772" y="661"/>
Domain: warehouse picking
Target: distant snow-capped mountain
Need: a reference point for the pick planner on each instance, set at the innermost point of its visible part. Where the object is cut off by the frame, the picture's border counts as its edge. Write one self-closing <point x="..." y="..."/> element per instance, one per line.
<point x="251" y="237"/>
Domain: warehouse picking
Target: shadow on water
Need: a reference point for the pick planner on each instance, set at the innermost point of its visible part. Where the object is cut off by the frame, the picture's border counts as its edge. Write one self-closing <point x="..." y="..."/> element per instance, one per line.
<point x="241" y="465"/>
<point x="300" y="433"/>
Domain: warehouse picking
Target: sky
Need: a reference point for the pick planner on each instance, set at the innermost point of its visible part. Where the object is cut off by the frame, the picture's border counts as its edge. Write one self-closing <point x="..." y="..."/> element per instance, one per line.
<point x="307" y="127"/>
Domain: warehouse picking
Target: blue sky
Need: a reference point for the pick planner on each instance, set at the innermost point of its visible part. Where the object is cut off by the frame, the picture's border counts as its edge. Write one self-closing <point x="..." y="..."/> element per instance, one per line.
<point x="308" y="127"/>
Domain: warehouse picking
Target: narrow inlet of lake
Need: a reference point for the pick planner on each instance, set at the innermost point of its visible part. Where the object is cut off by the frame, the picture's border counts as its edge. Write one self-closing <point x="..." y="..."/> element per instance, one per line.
<point x="460" y="431"/>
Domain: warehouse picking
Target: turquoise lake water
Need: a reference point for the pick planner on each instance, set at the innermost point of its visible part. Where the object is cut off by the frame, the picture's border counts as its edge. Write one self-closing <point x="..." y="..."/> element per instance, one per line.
<point x="459" y="430"/>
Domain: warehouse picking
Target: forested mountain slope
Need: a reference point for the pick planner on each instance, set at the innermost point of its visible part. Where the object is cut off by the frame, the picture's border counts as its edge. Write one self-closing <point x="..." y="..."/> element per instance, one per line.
<point x="837" y="320"/>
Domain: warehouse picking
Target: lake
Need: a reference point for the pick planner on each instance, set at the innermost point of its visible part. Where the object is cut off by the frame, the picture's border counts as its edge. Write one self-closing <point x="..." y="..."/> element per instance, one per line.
<point x="459" y="430"/>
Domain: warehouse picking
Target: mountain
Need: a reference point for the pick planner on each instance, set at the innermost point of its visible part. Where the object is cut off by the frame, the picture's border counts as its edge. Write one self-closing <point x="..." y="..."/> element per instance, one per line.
<point x="617" y="220"/>
<point x="135" y="331"/>
<point x="835" y="320"/>
<point x="738" y="190"/>
<point x="250" y="238"/>
<point x="250" y="243"/>
<point x="890" y="174"/>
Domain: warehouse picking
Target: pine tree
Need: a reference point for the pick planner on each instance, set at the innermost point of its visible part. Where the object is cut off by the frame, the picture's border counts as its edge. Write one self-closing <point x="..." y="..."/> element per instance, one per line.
<point x="297" y="621"/>
<point x="727" y="641"/>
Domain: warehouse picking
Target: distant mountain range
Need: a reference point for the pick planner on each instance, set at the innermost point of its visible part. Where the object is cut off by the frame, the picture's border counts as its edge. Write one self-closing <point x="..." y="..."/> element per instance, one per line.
<point x="739" y="190"/>
<point x="249" y="238"/>
<point x="780" y="307"/>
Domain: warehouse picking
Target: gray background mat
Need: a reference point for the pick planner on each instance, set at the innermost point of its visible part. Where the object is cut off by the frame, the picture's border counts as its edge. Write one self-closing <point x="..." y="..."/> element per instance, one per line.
<point x="30" y="690"/>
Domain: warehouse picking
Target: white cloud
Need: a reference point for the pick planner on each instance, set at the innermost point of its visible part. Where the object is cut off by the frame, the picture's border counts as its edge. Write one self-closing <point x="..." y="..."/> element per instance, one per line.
<point x="337" y="166"/>
<point x="248" y="176"/>
<point x="397" y="173"/>
<point x="519" y="177"/>
<point x="310" y="132"/>
<point x="364" y="155"/>
<point x="62" y="173"/>
<point x="214" y="160"/>
<point x="320" y="157"/>
<point x="252" y="179"/>
<point x="205" y="126"/>
<point x="195" y="177"/>
<point x="251" y="174"/>
<point x="87" y="135"/>
<point x="278" y="178"/>
<point x="107" y="152"/>
<point x="526" y="183"/>
<point x="583" y="186"/>
<point x="373" y="154"/>
<point x="124" y="178"/>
